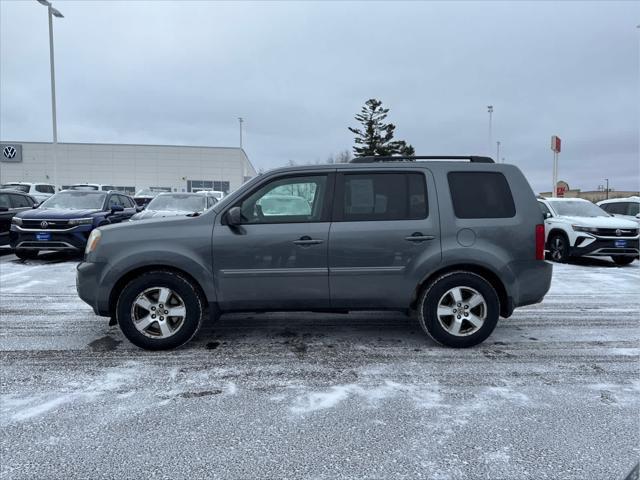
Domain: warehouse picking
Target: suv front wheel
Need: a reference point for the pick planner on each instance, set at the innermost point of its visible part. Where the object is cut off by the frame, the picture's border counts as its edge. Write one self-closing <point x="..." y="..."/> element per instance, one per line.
<point x="159" y="310"/>
<point x="460" y="309"/>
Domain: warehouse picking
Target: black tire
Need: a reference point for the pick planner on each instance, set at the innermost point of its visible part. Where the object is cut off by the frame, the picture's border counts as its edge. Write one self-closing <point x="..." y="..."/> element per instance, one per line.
<point x="27" y="254"/>
<point x="623" y="260"/>
<point x="432" y="295"/>
<point x="558" y="246"/>
<point x="184" y="288"/>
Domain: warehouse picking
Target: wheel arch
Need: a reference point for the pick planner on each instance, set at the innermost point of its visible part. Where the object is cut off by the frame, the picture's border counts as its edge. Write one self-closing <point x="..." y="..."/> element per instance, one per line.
<point x="506" y="302"/>
<point x="130" y="275"/>
<point x="558" y="231"/>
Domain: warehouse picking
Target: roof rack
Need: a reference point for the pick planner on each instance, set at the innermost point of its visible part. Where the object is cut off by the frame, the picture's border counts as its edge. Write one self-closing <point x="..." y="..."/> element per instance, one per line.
<point x="404" y="158"/>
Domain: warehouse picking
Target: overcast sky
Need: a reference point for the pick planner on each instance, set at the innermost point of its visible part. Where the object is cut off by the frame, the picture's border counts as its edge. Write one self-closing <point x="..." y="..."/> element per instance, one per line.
<point x="181" y="73"/>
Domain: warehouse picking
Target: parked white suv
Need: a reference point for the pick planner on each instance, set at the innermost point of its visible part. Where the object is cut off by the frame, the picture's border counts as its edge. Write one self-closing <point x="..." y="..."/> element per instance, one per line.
<point x="39" y="191"/>
<point x="627" y="208"/>
<point x="575" y="227"/>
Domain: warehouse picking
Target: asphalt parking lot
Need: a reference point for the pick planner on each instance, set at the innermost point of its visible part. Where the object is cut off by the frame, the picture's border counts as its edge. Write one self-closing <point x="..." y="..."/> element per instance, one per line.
<point x="553" y="393"/>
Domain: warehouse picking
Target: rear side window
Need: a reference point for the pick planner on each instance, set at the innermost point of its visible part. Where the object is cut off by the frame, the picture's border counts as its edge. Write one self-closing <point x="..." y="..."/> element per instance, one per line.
<point x="481" y="195"/>
<point x="619" y="208"/>
<point x="382" y="196"/>
<point x="633" y="208"/>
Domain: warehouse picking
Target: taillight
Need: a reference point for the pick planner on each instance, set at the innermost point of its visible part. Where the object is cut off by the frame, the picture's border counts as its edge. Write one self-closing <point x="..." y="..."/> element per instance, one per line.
<point x="539" y="242"/>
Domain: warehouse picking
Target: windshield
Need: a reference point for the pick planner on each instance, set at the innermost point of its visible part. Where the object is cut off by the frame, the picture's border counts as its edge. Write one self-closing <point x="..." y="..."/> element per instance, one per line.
<point x="178" y="202"/>
<point x="577" y="209"/>
<point x="75" y="200"/>
<point x="13" y="186"/>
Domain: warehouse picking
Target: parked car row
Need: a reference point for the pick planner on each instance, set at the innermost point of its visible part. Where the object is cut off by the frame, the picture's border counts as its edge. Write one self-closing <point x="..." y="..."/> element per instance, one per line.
<point x="64" y="221"/>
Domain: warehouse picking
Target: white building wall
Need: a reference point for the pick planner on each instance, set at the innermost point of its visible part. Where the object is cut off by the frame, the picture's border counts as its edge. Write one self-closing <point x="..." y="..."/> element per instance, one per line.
<point x="141" y="166"/>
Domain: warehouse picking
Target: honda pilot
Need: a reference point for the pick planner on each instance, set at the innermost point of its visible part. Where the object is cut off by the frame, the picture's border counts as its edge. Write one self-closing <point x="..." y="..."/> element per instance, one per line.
<point x="456" y="241"/>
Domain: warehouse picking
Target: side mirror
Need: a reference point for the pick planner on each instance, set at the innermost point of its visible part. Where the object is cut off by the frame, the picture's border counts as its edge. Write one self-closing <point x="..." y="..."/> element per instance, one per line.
<point x="547" y="215"/>
<point x="117" y="208"/>
<point x="4" y="209"/>
<point x="234" y="216"/>
<point x="36" y="205"/>
<point x="637" y="215"/>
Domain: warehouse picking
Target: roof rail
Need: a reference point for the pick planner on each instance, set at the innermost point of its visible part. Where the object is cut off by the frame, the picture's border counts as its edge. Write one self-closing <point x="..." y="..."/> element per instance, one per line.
<point x="404" y="158"/>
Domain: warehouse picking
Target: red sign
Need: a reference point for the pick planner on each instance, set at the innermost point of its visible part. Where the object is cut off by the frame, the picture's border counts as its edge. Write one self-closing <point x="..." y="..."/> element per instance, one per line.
<point x="560" y="191"/>
<point x="555" y="144"/>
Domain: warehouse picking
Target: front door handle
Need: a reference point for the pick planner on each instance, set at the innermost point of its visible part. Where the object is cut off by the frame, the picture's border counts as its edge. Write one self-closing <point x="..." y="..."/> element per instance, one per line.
<point x="307" y="240"/>
<point x="418" y="237"/>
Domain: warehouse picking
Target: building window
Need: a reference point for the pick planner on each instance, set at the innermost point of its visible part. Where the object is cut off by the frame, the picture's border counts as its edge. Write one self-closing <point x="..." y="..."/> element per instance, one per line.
<point x="199" y="185"/>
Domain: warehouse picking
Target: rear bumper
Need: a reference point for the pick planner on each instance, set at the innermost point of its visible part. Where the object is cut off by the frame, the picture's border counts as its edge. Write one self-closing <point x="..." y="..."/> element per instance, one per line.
<point x="533" y="281"/>
<point x="608" y="248"/>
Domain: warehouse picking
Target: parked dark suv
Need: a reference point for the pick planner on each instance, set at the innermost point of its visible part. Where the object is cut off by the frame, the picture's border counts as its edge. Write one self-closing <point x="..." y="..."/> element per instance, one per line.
<point x="459" y="243"/>
<point x="65" y="220"/>
<point x="12" y="202"/>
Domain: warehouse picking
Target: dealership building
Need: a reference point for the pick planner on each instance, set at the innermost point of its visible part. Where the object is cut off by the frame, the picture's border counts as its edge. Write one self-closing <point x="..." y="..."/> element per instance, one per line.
<point x="126" y="167"/>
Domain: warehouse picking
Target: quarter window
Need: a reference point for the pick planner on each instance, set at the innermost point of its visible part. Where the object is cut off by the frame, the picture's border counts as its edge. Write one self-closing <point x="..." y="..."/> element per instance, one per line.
<point x="382" y="196"/>
<point x="481" y="195"/>
<point x="287" y="200"/>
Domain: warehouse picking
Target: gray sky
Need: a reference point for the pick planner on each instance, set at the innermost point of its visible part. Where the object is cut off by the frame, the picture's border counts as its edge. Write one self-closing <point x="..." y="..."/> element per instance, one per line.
<point x="164" y="72"/>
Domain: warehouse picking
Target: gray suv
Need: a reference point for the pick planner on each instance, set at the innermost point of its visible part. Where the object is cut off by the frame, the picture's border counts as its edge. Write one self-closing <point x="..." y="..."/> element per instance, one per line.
<point x="456" y="241"/>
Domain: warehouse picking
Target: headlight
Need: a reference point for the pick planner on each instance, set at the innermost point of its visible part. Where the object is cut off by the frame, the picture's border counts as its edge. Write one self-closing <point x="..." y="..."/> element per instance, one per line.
<point x="16" y="221"/>
<point x="578" y="228"/>
<point x="81" y="221"/>
<point x="94" y="240"/>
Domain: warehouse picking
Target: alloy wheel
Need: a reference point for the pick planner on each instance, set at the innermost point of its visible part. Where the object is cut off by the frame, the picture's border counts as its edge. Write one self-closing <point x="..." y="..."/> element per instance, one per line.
<point x="158" y="312"/>
<point x="462" y="311"/>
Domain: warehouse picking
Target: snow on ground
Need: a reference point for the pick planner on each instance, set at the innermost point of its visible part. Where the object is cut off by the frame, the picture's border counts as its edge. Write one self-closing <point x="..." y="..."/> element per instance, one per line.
<point x="553" y="393"/>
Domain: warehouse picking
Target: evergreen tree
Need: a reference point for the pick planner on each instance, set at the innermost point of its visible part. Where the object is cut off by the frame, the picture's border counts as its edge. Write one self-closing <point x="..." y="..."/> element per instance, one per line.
<point x="376" y="137"/>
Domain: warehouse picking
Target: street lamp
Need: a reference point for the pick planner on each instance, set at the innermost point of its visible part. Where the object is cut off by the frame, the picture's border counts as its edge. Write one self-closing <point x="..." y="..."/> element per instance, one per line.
<point x="240" y="122"/>
<point x="53" y="13"/>
<point x="490" y="110"/>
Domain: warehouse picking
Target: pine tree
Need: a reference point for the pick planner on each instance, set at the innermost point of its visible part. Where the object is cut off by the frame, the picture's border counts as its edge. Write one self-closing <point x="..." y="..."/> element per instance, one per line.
<point x="376" y="137"/>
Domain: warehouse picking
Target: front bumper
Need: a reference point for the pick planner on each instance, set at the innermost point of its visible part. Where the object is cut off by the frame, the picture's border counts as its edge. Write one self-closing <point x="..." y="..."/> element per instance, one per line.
<point x="608" y="247"/>
<point x="72" y="239"/>
<point x="88" y="287"/>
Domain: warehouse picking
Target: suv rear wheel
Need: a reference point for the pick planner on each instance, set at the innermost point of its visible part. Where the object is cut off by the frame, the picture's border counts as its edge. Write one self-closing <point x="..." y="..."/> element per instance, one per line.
<point x="460" y="309"/>
<point x="159" y="310"/>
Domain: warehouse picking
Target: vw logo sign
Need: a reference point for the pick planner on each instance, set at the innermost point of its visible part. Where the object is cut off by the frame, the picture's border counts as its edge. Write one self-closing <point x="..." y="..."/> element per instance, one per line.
<point x="44" y="224"/>
<point x="9" y="151"/>
<point x="618" y="232"/>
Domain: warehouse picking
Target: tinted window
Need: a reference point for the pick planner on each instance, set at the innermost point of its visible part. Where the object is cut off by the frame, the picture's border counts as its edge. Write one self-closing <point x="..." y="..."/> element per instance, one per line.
<point x="481" y="195"/>
<point x="20" y="201"/>
<point x="44" y="189"/>
<point x="287" y="200"/>
<point x="619" y="208"/>
<point x="382" y="196"/>
<point x="544" y="209"/>
<point x="633" y="208"/>
<point x="4" y="200"/>
<point x="16" y="186"/>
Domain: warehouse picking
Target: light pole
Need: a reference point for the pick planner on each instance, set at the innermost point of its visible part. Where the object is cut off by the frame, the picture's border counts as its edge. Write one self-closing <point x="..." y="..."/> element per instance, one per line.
<point x="498" y="152"/>
<point x="240" y="122"/>
<point x="53" y="13"/>
<point x="490" y="110"/>
<point x="607" y="190"/>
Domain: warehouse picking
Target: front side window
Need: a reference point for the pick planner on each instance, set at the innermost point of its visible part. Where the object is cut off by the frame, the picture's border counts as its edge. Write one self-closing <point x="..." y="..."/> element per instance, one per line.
<point x="633" y="208"/>
<point x="287" y="200"/>
<point x="382" y="196"/>
<point x="20" y="201"/>
<point x="4" y="200"/>
<point x="44" y="189"/>
<point x="481" y="195"/>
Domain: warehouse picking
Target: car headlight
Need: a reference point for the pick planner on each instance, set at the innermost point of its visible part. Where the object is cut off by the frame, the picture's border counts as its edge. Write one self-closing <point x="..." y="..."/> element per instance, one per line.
<point x="94" y="240"/>
<point x="16" y="221"/>
<point x="578" y="228"/>
<point x="81" y="221"/>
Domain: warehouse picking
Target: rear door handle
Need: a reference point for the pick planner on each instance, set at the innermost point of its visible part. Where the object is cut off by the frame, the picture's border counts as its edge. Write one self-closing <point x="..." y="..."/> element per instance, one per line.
<point x="306" y="240"/>
<point x="418" y="237"/>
